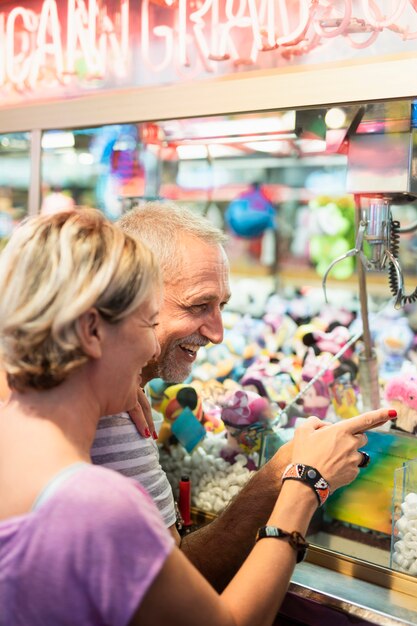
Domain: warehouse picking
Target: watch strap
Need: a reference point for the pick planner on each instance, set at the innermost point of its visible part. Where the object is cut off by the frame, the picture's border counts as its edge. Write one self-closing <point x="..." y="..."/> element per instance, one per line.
<point x="311" y="476"/>
<point x="295" y="539"/>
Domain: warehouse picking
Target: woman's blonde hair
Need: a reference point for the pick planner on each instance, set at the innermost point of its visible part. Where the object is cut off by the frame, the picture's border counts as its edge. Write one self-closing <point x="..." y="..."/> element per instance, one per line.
<point x="54" y="268"/>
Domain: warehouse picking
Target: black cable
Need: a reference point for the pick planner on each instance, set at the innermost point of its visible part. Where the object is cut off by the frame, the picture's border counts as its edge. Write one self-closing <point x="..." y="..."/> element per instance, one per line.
<point x="394" y="249"/>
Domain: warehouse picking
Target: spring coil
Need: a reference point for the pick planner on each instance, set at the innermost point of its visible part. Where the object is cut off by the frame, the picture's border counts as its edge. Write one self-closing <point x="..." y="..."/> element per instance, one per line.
<point x="395" y="248"/>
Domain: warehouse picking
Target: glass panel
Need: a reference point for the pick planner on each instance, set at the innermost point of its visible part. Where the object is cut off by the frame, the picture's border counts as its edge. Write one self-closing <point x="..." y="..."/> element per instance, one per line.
<point x="307" y="166"/>
<point x="100" y="167"/>
<point x="220" y="164"/>
<point x="283" y="186"/>
<point x="14" y="181"/>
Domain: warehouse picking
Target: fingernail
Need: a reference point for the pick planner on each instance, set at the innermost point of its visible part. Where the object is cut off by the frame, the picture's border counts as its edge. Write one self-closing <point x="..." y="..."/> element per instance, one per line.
<point x="392" y="413"/>
<point x="155" y="435"/>
<point x="147" y="432"/>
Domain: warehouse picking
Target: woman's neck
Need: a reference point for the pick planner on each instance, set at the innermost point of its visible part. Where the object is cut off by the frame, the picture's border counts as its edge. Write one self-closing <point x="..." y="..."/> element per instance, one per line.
<point x="41" y="432"/>
<point x="68" y="413"/>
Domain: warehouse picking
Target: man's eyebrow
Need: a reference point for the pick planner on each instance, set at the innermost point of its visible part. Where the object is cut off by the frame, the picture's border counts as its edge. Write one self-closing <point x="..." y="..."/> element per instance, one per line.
<point x="204" y="299"/>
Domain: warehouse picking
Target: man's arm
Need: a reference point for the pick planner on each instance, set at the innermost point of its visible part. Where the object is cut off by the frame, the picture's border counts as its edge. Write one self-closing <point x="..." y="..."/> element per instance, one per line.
<point x="218" y="549"/>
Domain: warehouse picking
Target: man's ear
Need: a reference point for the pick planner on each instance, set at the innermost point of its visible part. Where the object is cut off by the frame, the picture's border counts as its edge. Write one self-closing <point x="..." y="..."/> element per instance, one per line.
<point x="89" y="330"/>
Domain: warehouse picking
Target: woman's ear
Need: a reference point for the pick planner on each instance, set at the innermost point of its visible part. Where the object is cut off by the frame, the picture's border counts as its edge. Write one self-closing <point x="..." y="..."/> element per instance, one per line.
<point x="89" y="329"/>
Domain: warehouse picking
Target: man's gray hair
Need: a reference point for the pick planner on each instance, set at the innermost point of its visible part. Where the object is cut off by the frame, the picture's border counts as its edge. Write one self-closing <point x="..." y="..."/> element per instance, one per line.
<point x="161" y="226"/>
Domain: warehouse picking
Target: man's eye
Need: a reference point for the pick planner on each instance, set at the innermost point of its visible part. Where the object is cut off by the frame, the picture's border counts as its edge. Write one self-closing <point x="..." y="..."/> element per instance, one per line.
<point x="198" y="308"/>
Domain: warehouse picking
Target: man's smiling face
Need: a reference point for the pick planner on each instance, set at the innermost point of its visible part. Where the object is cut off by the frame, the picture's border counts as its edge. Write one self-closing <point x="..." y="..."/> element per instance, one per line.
<point x="190" y="315"/>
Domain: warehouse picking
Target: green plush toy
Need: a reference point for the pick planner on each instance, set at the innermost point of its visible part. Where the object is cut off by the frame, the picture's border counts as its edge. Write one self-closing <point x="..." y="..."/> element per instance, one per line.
<point x="332" y="234"/>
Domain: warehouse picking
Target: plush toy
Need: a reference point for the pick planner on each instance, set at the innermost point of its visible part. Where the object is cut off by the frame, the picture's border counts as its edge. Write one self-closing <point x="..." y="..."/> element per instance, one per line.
<point x="304" y="330"/>
<point x="212" y="394"/>
<point x="316" y="399"/>
<point x="221" y="358"/>
<point x="331" y="232"/>
<point x="245" y="301"/>
<point x="172" y="402"/>
<point x="393" y="342"/>
<point x="330" y="341"/>
<point x="279" y="331"/>
<point x="332" y="314"/>
<point x="251" y="213"/>
<point x="344" y="396"/>
<point x="245" y="414"/>
<point x="266" y="378"/>
<point x="401" y="393"/>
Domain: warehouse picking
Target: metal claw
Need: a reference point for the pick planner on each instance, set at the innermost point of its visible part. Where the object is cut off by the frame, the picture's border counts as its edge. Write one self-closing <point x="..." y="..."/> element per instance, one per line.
<point x="357" y="250"/>
<point x="342" y="257"/>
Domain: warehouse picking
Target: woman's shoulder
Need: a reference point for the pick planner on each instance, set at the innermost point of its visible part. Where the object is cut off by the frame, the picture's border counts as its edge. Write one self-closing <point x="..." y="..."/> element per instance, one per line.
<point x="97" y="503"/>
<point x="100" y="486"/>
<point x="98" y="541"/>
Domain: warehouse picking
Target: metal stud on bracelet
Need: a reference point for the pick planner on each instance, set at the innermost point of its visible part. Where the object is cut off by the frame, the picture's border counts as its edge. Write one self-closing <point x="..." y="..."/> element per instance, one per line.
<point x="311" y="476"/>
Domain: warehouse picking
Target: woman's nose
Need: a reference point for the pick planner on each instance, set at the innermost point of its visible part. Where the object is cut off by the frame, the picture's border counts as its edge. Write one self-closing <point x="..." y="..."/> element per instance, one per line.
<point x="157" y="349"/>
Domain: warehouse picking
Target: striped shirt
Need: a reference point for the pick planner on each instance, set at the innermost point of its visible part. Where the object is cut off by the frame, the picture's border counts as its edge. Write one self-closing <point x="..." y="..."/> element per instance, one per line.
<point x="120" y="447"/>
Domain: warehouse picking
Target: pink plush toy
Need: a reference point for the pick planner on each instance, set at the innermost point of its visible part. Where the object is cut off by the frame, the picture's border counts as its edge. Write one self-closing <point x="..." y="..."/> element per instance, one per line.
<point x="401" y="393"/>
<point x="317" y="399"/>
<point x="330" y="341"/>
<point x="245" y="407"/>
<point x="245" y="414"/>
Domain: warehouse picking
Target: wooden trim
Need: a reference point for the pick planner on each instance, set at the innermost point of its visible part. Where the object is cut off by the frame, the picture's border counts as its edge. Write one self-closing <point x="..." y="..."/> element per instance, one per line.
<point x="349" y="566"/>
<point x="386" y="78"/>
<point x="370" y="572"/>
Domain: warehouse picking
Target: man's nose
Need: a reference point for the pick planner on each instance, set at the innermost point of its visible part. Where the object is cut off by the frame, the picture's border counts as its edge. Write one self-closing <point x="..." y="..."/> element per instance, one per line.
<point x="212" y="328"/>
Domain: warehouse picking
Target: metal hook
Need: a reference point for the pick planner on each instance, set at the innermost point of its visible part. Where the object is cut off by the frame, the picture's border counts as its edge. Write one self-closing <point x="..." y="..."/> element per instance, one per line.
<point x="356" y="251"/>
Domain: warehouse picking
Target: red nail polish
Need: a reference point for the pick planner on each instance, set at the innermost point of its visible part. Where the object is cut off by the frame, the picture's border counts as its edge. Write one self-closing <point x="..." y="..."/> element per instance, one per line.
<point x="392" y="413"/>
<point x="147" y="432"/>
<point x="155" y="435"/>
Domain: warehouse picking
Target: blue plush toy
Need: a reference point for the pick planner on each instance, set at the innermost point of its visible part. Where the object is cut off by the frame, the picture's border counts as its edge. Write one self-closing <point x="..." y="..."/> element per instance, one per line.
<point x="251" y="214"/>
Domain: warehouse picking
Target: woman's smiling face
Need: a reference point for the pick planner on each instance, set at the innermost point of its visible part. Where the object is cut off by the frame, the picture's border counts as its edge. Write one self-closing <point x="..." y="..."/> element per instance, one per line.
<point x="133" y="344"/>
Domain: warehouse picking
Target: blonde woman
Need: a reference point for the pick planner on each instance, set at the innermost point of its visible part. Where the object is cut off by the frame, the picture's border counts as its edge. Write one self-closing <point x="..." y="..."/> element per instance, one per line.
<point x="81" y="544"/>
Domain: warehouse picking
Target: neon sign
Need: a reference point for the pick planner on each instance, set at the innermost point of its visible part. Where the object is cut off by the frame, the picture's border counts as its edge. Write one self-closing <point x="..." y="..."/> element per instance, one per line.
<point x="32" y="43"/>
<point x="67" y="47"/>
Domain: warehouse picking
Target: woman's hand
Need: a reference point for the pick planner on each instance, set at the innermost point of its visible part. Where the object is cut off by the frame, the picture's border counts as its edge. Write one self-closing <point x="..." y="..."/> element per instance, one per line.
<point x="333" y="450"/>
<point x="141" y="415"/>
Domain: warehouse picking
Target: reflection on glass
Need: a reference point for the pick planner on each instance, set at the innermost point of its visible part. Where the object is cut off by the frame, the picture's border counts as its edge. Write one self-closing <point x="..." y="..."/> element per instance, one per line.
<point x="14" y="181"/>
<point x="296" y="160"/>
<point x="276" y="181"/>
<point x="102" y="167"/>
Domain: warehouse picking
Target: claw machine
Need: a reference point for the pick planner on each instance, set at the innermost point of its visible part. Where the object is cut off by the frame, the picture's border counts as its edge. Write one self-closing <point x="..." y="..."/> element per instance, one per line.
<point x="111" y="102"/>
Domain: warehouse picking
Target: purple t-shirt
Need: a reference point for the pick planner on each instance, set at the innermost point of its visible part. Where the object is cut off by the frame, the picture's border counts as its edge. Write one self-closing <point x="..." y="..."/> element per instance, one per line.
<point x="86" y="556"/>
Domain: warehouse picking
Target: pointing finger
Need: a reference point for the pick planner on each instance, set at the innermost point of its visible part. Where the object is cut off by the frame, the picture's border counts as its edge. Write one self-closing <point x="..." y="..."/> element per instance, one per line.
<point x="369" y="420"/>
